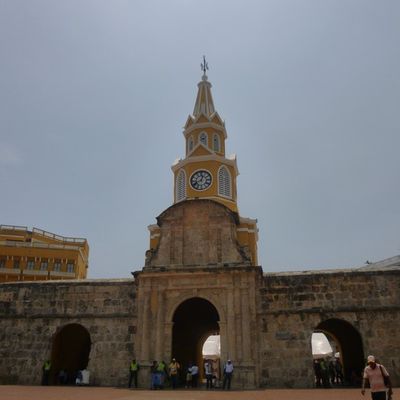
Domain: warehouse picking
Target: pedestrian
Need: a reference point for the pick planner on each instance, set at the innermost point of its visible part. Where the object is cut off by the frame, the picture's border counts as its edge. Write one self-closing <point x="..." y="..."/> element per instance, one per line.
<point x="195" y="375"/>
<point x="162" y="372"/>
<point x="133" y="373"/>
<point x="339" y="372"/>
<point x="174" y="373"/>
<point x="332" y="373"/>
<point x="318" y="373"/>
<point x="378" y="378"/>
<point x="228" y="371"/>
<point x="46" y="372"/>
<point x="325" y="373"/>
<point x="208" y="373"/>
<point x="154" y="376"/>
<point x="189" y="376"/>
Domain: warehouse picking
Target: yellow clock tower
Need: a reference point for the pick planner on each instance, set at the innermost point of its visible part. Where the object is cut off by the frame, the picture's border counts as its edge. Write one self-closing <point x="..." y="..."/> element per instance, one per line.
<point x="206" y="173"/>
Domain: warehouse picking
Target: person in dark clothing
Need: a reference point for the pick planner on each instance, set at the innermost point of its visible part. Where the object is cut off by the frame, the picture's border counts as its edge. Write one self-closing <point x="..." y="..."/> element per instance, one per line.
<point x="46" y="372"/>
<point x="318" y="373"/>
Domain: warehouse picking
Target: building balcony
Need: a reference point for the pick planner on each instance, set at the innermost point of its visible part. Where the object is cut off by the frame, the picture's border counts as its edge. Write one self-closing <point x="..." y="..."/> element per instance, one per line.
<point x="34" y="272"/>
<point x="10" y="271"/>
<point x="56" y="274"/>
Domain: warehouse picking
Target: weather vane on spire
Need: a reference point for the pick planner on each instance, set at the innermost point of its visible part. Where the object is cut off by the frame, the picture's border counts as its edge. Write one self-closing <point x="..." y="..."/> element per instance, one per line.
<point x="204" y="65"/>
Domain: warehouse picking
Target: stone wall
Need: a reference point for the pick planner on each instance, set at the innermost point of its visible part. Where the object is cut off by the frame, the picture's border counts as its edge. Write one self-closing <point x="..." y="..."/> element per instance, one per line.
<point x="266" y="321"/>
<point x="293" y="305"/>
<point x="32" y="313"/>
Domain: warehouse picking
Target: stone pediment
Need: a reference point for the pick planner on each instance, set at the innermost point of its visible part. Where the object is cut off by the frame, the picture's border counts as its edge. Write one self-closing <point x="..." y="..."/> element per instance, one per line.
<point x="198" y="233"/>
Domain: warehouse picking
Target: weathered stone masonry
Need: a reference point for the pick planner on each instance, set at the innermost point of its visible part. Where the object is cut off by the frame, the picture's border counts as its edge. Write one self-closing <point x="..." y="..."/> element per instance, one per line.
<point x="293" y="305"/>
<point x="289" y="307"/>
<point x="32" y="313"/>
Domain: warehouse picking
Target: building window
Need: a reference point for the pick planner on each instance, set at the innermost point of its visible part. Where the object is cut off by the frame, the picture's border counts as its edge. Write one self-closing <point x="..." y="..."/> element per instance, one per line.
<point x="224" y="182"/>
<point x="30" y="264"/>
<point x="70" y="267"/>
<point x="181" y="185"/>
<point x="191" y="144"/>
<point x="2" y="262"/>
<point x="16" y="263"/>
<point x="216" y="143"/>
<point x="43" y="265"/>
<point x="203" y="138"/>
<point x="57" y="266"/>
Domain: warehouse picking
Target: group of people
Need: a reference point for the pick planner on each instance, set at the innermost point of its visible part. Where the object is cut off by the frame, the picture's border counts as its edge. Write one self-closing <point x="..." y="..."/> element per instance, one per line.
<point x="328" y="372"/>
<point x="63" y="377"/>
<point x="161" y="373"/>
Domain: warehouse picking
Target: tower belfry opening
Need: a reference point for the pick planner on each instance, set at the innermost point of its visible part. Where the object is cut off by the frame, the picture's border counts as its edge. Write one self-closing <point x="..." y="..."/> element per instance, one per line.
<point x="193" y="322"/>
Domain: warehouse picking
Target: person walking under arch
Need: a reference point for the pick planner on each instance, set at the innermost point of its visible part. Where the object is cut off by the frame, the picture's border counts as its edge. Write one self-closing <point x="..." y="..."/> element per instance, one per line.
<point x="195" y="375"/>
<point x="378" y="378"/>
<point x="174" y="373"/>
<point x="208" y="372"/>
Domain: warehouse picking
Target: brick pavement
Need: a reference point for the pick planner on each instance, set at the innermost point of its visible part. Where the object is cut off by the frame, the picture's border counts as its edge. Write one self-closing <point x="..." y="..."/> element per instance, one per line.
<point x="97" y="393"/>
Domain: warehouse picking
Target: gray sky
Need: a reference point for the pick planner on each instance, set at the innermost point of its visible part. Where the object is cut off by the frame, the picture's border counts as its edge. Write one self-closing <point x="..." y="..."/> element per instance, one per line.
<point x="94" y="95"/>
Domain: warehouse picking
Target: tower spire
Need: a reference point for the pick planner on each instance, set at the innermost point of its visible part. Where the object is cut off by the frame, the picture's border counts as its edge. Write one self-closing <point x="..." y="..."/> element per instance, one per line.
<point x="204" y="101"/>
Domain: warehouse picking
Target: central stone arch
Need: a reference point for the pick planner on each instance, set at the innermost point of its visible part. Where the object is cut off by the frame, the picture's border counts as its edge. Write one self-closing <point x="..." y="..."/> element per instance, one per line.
<point x="193" y="321"/>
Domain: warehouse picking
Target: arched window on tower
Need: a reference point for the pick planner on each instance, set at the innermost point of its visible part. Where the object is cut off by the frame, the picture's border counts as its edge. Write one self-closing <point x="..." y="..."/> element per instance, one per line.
<point x="203" y="138"/>
<point x="180" y="187"/>
<point x="191" y="144"/>
<point x="216" y="145"/>
<point x="224" y="182"/>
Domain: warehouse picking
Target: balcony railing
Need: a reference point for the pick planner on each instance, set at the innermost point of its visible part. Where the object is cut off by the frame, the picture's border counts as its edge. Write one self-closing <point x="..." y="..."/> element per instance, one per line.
<point x="58" y="237"/>
<point x="13" y="271"/>
<point x="14" y="228"/>
<point x="12" y="243"/>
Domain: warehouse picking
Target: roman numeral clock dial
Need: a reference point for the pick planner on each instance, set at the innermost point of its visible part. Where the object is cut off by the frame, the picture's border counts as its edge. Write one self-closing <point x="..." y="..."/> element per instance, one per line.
<point x="200" y="180"/>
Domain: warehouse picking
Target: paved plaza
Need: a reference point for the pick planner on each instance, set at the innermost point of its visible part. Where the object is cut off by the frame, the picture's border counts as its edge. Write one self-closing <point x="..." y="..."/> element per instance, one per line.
<point x="97" y="393"/>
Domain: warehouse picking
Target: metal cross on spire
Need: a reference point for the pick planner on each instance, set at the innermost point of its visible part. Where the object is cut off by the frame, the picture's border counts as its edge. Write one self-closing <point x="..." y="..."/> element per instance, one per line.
<point x="204" y="65"/>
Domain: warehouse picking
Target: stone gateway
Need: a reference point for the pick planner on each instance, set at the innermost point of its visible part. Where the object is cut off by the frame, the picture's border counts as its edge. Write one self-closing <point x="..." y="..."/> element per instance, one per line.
<point x="201" y="277"/>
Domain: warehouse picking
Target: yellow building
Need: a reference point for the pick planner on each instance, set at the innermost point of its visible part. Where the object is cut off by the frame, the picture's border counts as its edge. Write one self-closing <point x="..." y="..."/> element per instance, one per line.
<point x="206" y="172"/>
<point x="39" y="255"/>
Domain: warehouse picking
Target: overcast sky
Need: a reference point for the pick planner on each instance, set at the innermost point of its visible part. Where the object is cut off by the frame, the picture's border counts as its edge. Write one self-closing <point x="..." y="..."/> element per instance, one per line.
<point x="94" y="95"/>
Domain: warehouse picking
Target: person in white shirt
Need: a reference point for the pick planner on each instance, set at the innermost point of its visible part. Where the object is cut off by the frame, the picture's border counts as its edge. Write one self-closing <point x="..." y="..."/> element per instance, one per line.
<point x="376" y="374"/>
<point x="209" y="374"/>
<point x="228" y="371"/>
<point x="195" y="375"/>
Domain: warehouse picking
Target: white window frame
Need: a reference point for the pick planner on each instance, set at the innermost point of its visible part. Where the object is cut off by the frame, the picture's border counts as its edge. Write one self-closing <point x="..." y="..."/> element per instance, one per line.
<point x="57" y="266"/>
<point x="44" y="264"/>
<point x="225" y="184"/>
<point x="70" y="267"/>
<point x="180" y="188"/>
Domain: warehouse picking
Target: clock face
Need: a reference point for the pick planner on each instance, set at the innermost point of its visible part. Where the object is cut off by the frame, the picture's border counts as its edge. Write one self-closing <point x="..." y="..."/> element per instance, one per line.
<point x="200" y="180"/>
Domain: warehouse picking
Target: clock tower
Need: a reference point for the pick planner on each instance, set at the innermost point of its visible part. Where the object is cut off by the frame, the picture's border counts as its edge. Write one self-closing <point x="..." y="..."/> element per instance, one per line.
<point x="205" y="174"/>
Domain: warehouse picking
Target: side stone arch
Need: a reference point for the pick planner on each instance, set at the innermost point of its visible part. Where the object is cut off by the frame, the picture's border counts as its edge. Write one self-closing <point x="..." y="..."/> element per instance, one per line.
<point x="70" y="351"/>
<point x="349" y="344"/>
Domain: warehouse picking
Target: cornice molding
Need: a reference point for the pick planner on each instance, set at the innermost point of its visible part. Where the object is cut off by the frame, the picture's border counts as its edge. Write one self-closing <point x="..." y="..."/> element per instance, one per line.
<point x="203" y="125"/>
<point x="212" y="157"/>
